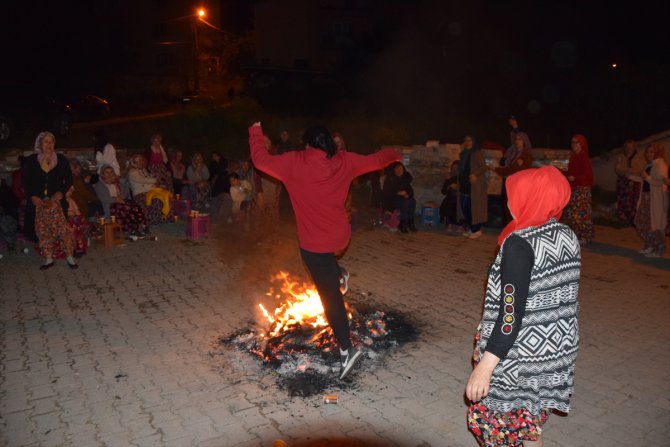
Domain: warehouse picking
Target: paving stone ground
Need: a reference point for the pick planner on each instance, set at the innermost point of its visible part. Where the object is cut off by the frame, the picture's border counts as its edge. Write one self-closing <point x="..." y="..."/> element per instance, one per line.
<point x="123" y="352"/>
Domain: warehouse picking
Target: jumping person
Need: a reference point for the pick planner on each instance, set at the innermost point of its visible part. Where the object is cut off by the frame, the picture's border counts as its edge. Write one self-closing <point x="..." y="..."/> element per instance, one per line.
<point x="527" y="342"/>
<point x="317" y="179"/>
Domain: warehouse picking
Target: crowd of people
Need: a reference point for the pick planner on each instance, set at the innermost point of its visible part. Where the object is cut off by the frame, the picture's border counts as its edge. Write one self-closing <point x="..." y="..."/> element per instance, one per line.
<point x="532" y="291"/>
<point x="641" y="188"/>
<point x="140" y="195"/>
<point x="56" y="205"/>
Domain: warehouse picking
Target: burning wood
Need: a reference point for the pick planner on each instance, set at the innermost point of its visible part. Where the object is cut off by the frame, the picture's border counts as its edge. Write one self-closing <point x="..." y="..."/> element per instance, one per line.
<point x="300" y="346"/>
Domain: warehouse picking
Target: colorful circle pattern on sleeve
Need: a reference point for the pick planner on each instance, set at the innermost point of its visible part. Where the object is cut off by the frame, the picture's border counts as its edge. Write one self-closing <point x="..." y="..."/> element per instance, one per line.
<point x="508" y="318"/>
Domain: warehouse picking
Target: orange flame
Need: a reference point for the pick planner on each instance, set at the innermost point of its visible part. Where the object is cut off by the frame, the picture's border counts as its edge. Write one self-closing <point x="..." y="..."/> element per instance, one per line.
<point x="302" y="307"/>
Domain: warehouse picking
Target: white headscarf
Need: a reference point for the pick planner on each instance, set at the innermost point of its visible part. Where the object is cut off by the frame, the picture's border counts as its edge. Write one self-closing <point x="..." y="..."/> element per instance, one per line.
<point x="53" y="160"/>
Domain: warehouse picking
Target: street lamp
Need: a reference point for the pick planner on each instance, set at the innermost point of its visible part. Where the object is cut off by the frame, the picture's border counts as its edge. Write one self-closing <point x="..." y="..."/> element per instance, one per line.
<point x="199" y="15"/>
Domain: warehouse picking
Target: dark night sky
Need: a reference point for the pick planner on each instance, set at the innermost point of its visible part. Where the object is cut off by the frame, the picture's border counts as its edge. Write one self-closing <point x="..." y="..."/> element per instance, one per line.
<point x="446" y="66"/>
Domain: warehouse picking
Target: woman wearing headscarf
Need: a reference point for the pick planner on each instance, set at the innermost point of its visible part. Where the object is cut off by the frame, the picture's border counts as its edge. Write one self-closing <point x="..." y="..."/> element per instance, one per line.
<point x="473" y="195"/>
<point x="154" y="200"/>
<point x="115" y="203"/>
<point x="578" y="213"/>
<point x="628" y="183"/>
<point x="47" y="177"/>
<point x="651" y="218"/>
<point x="517" y="158"/>
<point x="398" y="194"/>
<point x="178" y="169"/>
<point x="526" y="344"/>
<point x="198" y="183"/>
<point x="105" y="154"/>
<point x="158" y="162"/>
<point x="317" y="180"/>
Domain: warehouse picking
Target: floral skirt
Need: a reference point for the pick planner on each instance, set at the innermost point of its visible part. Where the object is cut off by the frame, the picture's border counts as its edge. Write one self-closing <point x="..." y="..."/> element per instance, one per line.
<point x="627" y="193"/>
<point x="162" y="175"/>
<point x="200" y="196"/>
<point x="153" y="213"/>
<point x="52" y="228"/>
<point x="653" y="239"/>
<point x="509" y="428"/>
<point x="577" y="213"/>
<point x="130" y="216"/>
<point x="497" y="428"/>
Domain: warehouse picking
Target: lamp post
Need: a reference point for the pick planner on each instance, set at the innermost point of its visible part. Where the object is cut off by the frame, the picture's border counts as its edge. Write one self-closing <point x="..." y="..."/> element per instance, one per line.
<point x="199" y="15"/>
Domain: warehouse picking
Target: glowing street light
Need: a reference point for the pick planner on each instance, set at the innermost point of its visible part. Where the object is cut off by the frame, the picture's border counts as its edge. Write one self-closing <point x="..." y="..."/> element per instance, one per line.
<point x="199" y="15"/>
<point x="614" y="65"/>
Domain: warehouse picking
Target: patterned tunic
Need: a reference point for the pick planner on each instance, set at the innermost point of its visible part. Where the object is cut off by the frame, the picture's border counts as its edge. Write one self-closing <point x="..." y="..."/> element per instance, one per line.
<point x="537" y="372"/>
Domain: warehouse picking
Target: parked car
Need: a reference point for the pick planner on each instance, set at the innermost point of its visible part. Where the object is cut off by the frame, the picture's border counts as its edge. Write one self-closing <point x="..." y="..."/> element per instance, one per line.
<point x="27" y="112"/>
<point x="197" y="100"/>
<point x="90" y="108"/>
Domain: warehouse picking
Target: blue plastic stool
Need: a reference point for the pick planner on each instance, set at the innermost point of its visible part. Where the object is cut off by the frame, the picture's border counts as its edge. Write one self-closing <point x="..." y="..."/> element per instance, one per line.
<point x="430" y="215"/>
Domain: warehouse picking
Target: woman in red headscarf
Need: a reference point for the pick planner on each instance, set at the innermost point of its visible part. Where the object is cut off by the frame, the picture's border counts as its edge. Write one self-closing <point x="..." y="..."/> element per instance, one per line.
<point x="526" y="344"/>
<point x="578" y="213"/>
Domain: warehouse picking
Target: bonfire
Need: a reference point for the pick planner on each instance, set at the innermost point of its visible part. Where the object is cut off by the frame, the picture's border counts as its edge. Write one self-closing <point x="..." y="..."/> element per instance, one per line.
<point x="298" y="344"/>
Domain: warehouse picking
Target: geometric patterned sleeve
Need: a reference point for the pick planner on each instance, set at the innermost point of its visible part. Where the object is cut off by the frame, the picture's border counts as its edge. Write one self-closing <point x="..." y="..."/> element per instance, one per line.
<point x="515" y="268"/>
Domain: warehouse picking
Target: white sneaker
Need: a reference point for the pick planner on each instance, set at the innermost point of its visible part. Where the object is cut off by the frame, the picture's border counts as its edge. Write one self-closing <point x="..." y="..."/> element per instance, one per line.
<point x="467" y="233"/>
<point x="349" y="360"/>
<point x="344" y="280"/>
<point x="475" y="235"/>
<point x="645" y="251"/>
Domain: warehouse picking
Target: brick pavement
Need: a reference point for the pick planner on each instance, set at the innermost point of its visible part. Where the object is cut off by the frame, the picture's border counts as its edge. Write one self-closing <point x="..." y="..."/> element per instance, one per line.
<point x="123" y="351"/>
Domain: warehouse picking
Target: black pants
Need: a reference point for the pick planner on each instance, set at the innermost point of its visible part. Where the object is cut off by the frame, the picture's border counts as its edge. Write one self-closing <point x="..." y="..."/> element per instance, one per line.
<point x="326" y="276"/>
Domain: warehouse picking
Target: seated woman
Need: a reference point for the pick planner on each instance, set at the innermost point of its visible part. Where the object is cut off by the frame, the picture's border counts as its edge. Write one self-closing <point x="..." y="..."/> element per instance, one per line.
<point x="115" y="203"/>
<point x="79" y="224"/>
<point x="398" y="194"/>
<point x="198" y="183"/>
<point x="157" y="162"/>
<point x="83" y="193"/>
<point x="9" y="205"/>
<point x="178" y="172"/>
<point x="154" y="201"/>
<point x="449" y="206"/>
<point x="46" y="178"/>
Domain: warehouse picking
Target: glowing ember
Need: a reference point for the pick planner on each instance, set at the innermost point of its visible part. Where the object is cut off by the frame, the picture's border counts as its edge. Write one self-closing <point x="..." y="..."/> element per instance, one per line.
<point x="302" y="307"/>
<point x="299" y="346"/>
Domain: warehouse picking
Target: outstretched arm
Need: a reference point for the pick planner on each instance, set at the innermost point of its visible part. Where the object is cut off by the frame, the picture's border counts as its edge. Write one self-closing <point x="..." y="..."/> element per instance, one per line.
<point x="275" y="165"/>
<point x="366" y="163"/>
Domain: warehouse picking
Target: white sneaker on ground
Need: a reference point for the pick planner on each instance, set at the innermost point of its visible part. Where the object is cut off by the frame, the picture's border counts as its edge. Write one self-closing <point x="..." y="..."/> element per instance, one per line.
<point x="467" y="233"/>
<point x="344" y="280"/>
<point x="349" y="360"/>
<point x="475" y="235"/>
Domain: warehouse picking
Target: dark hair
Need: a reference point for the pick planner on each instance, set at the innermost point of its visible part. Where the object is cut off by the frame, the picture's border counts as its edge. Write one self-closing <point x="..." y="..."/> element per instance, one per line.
<point x="234" y="175"/>
<point x="318" y="137"/>
<point x="100" y="140"/>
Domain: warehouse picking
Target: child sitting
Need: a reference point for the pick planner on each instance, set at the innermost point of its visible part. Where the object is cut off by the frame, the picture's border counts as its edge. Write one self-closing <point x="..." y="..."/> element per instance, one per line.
<point x="241" y="194"/>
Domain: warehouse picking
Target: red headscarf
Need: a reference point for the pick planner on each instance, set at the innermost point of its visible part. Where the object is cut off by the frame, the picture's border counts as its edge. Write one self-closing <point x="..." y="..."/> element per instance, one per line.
<point x="534" y="196"/>
<point x="583" y="144"/>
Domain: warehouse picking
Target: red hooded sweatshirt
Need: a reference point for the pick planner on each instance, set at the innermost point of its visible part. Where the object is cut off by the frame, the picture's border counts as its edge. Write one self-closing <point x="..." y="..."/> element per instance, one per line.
<point x="318" y="188"/>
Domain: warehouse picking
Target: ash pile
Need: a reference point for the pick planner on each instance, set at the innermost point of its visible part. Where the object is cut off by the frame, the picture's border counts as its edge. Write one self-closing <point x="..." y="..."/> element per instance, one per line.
<point x="305" y="358"/>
